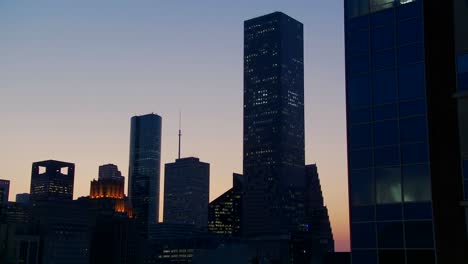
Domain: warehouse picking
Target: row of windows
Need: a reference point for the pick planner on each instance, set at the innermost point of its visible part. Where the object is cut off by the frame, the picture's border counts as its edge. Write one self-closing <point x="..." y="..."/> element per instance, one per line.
<point x="406" y="8"/>
<point x="409" y="183"/>
<point x="392" y="212"/>
<point x="387" y="112"/>
<point x="413" y="234"/>
<point x="393" y="256"/>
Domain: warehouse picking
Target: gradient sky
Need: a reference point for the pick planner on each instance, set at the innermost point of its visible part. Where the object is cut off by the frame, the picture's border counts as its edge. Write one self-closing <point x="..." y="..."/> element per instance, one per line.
<point x="72" y="73"/>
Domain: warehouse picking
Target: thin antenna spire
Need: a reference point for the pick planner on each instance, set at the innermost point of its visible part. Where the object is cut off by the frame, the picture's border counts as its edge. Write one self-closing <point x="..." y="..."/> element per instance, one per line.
<point x="180" y="130"/>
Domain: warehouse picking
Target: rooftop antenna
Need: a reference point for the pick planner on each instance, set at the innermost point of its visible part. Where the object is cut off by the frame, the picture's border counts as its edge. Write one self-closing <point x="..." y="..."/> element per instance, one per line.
<point x="180" y="130"/>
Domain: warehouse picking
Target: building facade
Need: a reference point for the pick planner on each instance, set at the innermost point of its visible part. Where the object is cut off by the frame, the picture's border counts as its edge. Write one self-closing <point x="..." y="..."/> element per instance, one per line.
<point x="52" y="180"/>
<point x="225" y="212"/>
<point x="273" y="158"/>
<point x="4" y="191"/>
<point x="186" y="192"/>
<point x="144" y="169"/>
<point x="404" y="164"/>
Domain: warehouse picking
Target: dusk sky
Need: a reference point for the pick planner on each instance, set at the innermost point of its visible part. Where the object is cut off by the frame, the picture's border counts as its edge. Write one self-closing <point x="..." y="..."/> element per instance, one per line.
<point x="73" y="73"/>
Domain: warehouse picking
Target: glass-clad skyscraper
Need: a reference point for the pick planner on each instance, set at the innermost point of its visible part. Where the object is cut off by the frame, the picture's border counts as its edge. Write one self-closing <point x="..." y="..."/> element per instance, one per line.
<point x="144" y="169"/>
<point x="273" y="124"/>
<point x="405" y="178"/>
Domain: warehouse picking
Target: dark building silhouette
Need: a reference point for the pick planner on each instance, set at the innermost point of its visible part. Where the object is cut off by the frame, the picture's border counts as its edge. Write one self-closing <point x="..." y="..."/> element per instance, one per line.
<point x="4" y="191"/>
<point x="186" y="192"/>
<point x="317" y="219"/>
<point x="144" y="169"/>
<point x="404" y="162"/>
<point x="110" y="171"/>
<point x="52" y="180"/>
<point x="273" y="158"/>
<point x="22" y="198"/>
<point x="225" y="212"/>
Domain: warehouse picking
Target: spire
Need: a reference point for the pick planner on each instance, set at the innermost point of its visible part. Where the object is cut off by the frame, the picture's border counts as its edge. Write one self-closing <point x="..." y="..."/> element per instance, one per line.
<point x="180" y="130"/>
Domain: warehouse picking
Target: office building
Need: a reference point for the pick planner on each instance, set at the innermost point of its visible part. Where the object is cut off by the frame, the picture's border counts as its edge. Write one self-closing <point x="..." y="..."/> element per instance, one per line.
<point x="4" y="191"/>
<point x="144" y="169"/>
<point x="273" y="158"/>
<point x="52" y="180"/>
<point x="225" y="212"/>
<point x="110" y="171"/>
<point x="186" y="192"/>
<point x="404" y="162"/>
<point x="22" y="198"/>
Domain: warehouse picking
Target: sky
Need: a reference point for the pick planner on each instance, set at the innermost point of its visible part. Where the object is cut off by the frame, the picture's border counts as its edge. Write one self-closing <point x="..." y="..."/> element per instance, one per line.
<point x="73" y="73"/>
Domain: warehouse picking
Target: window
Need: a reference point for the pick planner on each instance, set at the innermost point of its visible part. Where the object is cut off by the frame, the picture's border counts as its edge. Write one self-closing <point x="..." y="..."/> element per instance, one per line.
<point x="360" y="159"/>
<point x="413" y="130"/>
<point x="465" y="169"/>
<point x="358" y="64"/>
<point x="409" y="9"/>
<point x="377" y="5"/>
<point x="356" y="8"/>
<point x="410" y="54"/>
<point x="416" y="183"/>
<point x="385" y="87"/>
<point x="419" y="234"/>
<point x="463" y="81"/>
<point x="420" y="256"/>
<point x="387" y="156"/>
<point x="416" y="211"/>
<point x="389" y="212"/>
<point x="383" y="18"/>
<point x="392" y="257"/>
<point x="362" y="115"/>
<point x="363" y="235"/>
<point x="364" y="256"/>
<point x="412" y="108"/>
<point x="362" y="187"/>
<point x="388" y="185"/>
<point x="411" y="81"/>
<point x="385" y="112"/>
<point x="359" y="93"/>
<point x="357" y="42"/>
<point x="386" y="133"/>
<point x="384" y="59"/>
<point x="360" y="136"/>
<point x="414" y="153"/>
<point x="362" y="213"/>
<point x="410" y="31"/>
<point x="383" y="38"/>
<point x="390" y="235"/>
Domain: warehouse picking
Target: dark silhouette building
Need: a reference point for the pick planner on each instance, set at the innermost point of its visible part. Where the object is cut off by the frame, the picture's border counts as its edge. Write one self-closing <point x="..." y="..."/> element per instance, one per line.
<point x="225" y="212"/>
<point x="404" y="162"/>
<point x="52" y="180"/>
<point x="186" y="192"/>
<point x="144" y="169"/>
<point x="317" y="218"/>
<point x="110" y="171"/>
<point x="273" y="158"/>
<point x="4" y="191"/>
<point x="22" y="198"/>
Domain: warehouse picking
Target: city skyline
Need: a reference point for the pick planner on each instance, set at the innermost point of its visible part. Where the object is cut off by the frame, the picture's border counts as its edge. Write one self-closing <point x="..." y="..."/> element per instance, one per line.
<point x="198" y="124"/>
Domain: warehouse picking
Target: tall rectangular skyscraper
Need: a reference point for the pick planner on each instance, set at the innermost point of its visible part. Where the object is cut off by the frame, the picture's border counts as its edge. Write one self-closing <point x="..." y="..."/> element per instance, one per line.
<point x="186" y="192"/>
<point x="404" y="162"/>
<point x="144" y="169"/>
<point x="273" y="124"/>
<point x="52" y="180"/>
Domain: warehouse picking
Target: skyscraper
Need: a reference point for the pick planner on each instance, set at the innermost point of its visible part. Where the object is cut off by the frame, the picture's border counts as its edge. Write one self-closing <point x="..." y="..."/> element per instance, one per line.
<point x="404" y="164"/>
<point x="110" y="171"/>
<point x="144" y="169"/>
<point x="52" y="180"/>
<point x="273" y="156"/>
<point x="186" y="192"/>
<point x="4" y="191"/>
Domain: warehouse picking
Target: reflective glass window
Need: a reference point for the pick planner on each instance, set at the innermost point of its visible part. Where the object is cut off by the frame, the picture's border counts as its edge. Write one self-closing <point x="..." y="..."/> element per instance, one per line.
<point x="413" y="130"/>
<point x="385" y="87"/>
<point x="462" y="63"/>
<point x="360" y="159"/>
<point x="465" y="169"/>
<point x="362" y="187"/>
<point x="383" y="18"/>
<point x="364" y="213"/>
<point x="416" y="183"/>
<point x="414" y="153"/>
<point x="412" y="108"/>
<point x="384" y="59"/>
<point x="463" y="82"/>
<point x="378" y="5"/>
<point x="388" y="185"/>
<point x="411" y="81"/>
<point x="386" y="133"/>
<point x="419" y="234"/>
<point x="359" y="64"/>
<point x="356" y="8"/>
<point x="410" y="31"/>
<point x="385" y="112"/>
<point x="420" y="256"/>
<point x="383" y="38"/>
<point x="417" y="211"/>
<point x="387" y="156"/>
<point x="364" y="256"/>
<point x="362" y="115"/>
<point x="391" y="256"/>
<point x="360" y="136"/>
<point x="390" y="235"/>
<point x="363" y="235"/>
<point x="389" y="212"/>
<point x="357" y="23"/>
<point x="357" y="42"/>
<point x="465" y="189"/>
<point x="359" y="93"/>
<point x="410" y="54"/>
<point x="409" y="10"/>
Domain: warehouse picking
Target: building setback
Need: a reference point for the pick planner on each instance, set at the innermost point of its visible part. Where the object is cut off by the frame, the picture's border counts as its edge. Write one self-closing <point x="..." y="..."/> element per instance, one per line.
<point x="52" y="180"/>
<point x="144" y="169"/>
<point x="404" y="162"/>
<point x="186" y="192"/>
